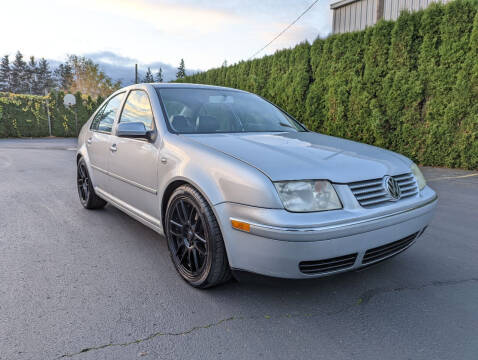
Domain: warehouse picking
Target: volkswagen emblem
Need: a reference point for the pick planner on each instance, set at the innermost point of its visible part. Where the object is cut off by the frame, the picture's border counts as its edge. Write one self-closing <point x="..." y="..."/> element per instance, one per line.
<point x="392" y="188"/>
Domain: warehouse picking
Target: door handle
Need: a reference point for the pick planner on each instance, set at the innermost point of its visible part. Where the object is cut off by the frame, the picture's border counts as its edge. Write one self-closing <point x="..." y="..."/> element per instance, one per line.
<point x="89" y="141"/>
<point x="113" y="148"/>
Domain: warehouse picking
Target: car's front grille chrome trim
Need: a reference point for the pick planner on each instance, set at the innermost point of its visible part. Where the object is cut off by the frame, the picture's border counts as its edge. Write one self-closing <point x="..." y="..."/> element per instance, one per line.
<point x="371" y="193"/>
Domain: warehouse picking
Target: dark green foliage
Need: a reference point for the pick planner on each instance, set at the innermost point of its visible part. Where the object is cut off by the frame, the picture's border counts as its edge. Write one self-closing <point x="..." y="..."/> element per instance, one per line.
<point x="18" y="79"/>
<point x="32" y="76"/>
<point x="181" y="73"/>
<point x="148" y="77"/>
<point x="26" y="115"/>
<point x="64" y="76"/>
<point x="159" y="75"/>
<point x="5" y="73"/>
<point x="410" y="86"/>
<point x="45" y="80"/>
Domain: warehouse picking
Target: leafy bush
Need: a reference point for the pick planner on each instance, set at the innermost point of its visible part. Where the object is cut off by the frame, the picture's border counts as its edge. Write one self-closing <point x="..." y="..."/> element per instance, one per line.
<point x="27" y="116"/>
<point x="410" y="85"/>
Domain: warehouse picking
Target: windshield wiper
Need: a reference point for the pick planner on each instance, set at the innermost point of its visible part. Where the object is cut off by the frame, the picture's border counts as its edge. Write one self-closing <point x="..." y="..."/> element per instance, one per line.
<point x="286" y="125"/>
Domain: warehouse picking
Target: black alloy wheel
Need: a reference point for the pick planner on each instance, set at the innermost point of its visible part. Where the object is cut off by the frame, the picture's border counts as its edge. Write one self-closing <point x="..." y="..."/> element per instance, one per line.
<point x="83" y="183"/>
<point x="187" y="230"/>
<point x="195" y="240"/>
<point x="86" y="192"/>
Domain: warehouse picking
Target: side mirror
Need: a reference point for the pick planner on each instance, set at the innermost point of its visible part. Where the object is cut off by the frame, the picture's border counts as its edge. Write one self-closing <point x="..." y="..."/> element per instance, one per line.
<point x="135" y="130"/>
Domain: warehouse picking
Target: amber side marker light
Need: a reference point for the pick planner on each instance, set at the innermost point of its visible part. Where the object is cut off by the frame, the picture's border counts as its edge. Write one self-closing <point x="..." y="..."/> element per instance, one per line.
<point x="240" y="225"/>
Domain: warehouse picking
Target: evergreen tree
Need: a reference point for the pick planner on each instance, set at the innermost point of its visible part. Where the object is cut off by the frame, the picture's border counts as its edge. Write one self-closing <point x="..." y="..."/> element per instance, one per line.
<point x="148" y="78"/>
<point x="64" y="76"/>
<point x="296" y="80"/>
<point x="5" y="73"/>
<point x="159" y="75"/>
<point x="45" y="81"/>
<point x="19" y="75"/>
<point x="32" y="76"/>
<point x="181" y="73"/>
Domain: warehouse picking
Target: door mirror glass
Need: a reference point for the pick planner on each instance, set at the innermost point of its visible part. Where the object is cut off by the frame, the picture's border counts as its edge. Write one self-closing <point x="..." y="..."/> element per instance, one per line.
<point x="133" y="130"/>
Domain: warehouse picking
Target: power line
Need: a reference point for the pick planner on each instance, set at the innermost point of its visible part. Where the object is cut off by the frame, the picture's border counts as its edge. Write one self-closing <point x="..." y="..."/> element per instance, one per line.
<point x="287" y="28"/>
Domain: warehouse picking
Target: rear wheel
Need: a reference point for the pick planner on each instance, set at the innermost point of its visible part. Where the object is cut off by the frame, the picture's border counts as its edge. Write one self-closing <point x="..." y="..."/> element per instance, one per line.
<point x="195" y="240"/>
<point x="86" y="192"/>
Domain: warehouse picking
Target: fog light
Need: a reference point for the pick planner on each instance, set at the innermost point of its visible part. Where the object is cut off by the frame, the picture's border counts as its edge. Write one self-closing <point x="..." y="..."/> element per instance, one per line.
<point x="240" y="225"/>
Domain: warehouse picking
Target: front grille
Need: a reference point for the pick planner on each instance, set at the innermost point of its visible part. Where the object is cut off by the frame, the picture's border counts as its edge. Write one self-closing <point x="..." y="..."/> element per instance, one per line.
<point x="327" y="265"/>
<point x="371" y="193"/>
<point x="387" y="250"/>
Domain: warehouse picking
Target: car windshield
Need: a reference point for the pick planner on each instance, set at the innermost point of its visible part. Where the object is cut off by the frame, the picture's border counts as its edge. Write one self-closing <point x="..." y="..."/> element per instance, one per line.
<point x="205" y="111"/>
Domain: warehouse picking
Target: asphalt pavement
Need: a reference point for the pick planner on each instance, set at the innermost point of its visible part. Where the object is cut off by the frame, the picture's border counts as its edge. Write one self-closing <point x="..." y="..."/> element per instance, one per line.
<point x="99" y="285"/>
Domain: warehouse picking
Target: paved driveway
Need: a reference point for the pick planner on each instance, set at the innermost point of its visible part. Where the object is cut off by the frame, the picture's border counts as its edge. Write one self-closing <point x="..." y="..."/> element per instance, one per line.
<point x="99" y="285"/>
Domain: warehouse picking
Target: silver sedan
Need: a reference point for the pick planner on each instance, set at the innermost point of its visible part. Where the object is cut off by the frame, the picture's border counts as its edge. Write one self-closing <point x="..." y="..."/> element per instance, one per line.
<point x="236" y="184"/>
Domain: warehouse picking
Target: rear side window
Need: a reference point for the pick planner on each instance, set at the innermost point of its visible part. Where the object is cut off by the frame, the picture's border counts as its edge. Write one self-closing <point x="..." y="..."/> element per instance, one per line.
<point x="105" y="118"/>
<point x="138" y="109"/>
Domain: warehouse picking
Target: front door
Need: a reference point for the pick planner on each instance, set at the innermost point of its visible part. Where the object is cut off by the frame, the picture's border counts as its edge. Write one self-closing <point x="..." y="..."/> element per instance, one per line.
<point x="99" y="139"/>
<point x="133" y="164"/>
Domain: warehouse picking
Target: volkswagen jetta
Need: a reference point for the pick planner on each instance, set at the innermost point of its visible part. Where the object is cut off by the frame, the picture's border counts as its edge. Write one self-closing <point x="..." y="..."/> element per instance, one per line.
<point x="235" y="183"/>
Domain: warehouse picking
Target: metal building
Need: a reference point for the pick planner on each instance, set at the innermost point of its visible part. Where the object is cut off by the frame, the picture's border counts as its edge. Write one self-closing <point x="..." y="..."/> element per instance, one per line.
<point x="354" y="15"/>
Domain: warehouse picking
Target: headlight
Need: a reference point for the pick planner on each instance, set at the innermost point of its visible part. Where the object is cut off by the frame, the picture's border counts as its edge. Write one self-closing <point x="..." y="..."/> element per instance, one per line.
<point x="308" y="195"/>
<point x="419" y="176"/>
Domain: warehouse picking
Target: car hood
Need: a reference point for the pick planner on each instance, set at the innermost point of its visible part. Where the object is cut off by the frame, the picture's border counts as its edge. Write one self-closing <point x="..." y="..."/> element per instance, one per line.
<point x="307" y="155"/>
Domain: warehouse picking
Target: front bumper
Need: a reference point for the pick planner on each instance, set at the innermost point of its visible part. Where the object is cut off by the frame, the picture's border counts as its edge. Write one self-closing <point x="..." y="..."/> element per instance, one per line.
<point x="279" y="240"/>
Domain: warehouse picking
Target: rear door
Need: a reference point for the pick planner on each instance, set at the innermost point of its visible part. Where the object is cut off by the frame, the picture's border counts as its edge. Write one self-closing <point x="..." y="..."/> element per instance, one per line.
<point x="133" y="166"/>
<point x="99" y="139"/>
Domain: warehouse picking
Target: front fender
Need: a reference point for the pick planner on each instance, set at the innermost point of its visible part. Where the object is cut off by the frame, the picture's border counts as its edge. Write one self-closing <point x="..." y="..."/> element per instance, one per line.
<point x="219" y="177"/>
<point x="82" y="152"/>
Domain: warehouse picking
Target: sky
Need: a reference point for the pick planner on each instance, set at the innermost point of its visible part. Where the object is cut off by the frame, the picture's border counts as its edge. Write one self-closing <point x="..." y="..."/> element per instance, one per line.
<point x="119" y="33"/>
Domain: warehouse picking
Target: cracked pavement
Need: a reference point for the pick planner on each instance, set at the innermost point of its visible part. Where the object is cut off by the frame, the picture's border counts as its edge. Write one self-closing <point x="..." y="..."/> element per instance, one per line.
<point x="99" y="285"/>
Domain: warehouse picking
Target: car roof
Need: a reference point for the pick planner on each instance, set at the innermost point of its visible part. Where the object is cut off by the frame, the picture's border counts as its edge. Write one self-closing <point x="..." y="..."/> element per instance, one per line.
<point x="192" y="86"/>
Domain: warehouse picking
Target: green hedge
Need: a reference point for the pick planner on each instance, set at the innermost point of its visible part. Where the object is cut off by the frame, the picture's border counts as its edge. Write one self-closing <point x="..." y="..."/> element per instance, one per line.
<point x="26" y="115"/>
<point x="410" y="85"/>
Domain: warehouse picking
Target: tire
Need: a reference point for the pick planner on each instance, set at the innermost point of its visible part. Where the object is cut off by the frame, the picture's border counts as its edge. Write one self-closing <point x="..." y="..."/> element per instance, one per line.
<point x="194" y="239"/>
<point x="86" y="191"/>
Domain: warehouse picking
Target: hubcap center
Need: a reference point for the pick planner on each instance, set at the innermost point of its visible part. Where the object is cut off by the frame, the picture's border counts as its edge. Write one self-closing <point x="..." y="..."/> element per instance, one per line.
<point x="188" y="236"/>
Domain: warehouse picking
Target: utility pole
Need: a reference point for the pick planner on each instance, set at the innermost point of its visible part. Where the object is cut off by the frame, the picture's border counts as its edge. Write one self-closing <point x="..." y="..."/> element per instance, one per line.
<point x="135" y="73"/>
<point x="47" y="111"/>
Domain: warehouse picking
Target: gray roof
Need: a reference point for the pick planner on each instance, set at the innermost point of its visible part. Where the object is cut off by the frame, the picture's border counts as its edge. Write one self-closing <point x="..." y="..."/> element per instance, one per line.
<point x="341" y="3"/>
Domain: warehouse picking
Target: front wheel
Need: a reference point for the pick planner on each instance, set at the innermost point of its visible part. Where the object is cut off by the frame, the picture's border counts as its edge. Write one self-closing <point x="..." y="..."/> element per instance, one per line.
<point x="86" y="192"/>
<point x="195" y="240"/>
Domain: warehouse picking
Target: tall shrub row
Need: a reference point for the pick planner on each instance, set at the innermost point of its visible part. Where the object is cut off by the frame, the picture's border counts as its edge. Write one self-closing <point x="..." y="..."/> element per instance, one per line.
<point x="410" y="85"/>
<point x="27" y="115"/>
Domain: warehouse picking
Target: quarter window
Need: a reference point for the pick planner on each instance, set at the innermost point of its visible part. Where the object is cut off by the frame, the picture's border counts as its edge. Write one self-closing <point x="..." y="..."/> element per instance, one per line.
<point x="138" y="109"/>
<point x="105" y="118"/>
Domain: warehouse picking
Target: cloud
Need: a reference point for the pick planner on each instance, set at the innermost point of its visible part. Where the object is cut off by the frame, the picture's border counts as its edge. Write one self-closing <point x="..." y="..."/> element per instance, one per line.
<point x="109" y="57"/>
<point x="168" y="17"/>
